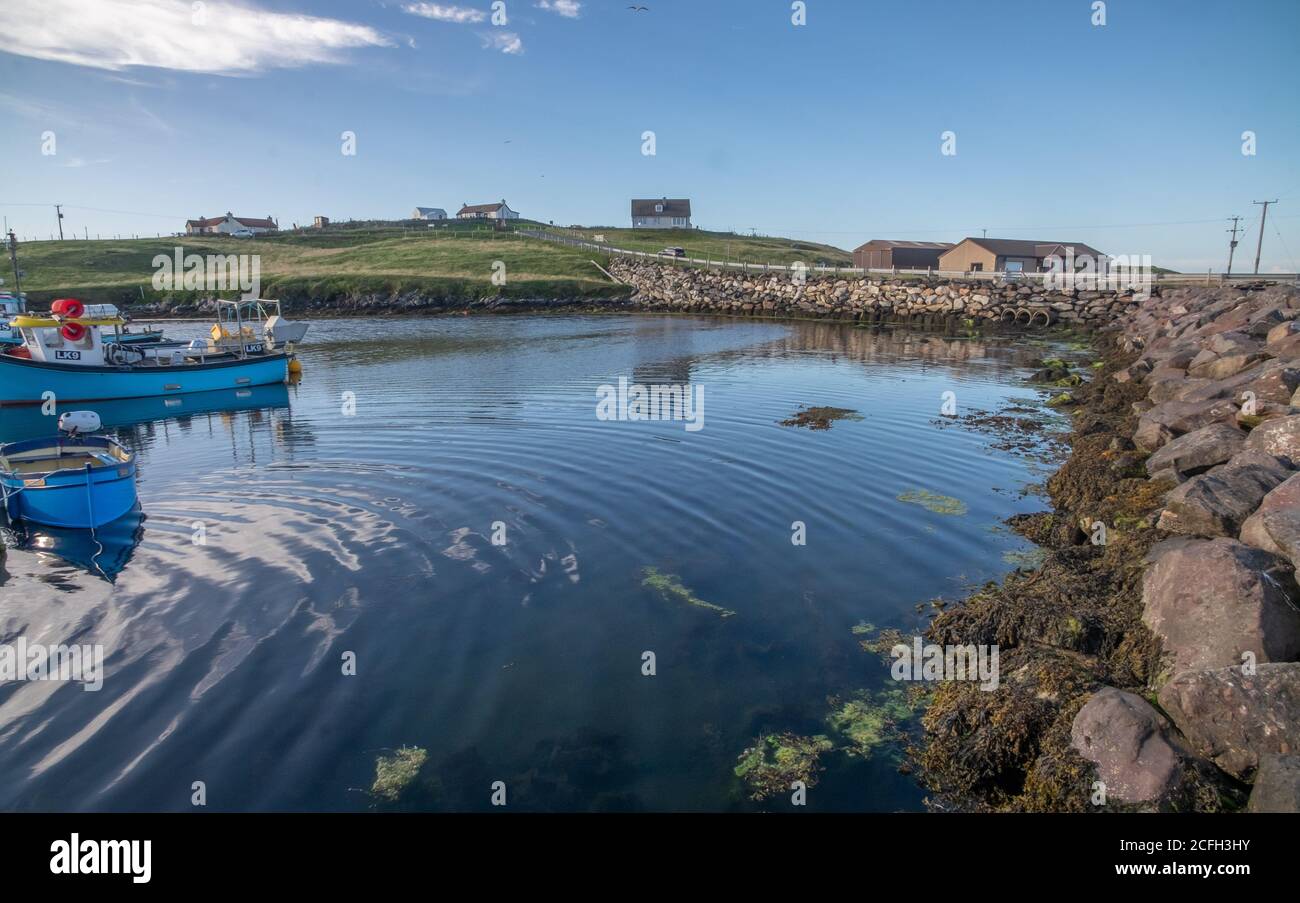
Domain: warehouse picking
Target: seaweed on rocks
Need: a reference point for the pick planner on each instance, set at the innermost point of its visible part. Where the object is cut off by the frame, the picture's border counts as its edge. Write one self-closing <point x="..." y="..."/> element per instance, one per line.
<point x="820" y="418"/>
<point x="1064" y="630"/>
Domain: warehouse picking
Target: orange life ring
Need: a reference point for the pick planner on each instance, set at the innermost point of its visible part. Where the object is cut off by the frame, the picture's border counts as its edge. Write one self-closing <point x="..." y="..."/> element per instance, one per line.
<point x="73" y="332"/>
<point x="68" y="307"/>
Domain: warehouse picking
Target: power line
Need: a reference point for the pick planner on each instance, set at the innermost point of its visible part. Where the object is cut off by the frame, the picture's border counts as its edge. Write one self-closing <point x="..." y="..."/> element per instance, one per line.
<point x="1285" y="247"/>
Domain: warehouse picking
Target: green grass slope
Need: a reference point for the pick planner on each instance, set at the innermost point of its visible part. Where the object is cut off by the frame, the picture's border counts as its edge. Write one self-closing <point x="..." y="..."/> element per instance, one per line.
<point x="454" y="260"/>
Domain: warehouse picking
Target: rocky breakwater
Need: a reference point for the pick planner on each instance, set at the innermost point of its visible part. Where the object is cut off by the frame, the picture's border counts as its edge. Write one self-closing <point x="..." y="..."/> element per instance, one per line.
<point x="1153" y="664"/>
<point x="659" y="286"/>
<point x="1221" y="421"/>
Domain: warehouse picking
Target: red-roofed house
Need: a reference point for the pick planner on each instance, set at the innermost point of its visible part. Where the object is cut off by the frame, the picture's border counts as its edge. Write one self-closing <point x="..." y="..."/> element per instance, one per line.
<point x="225" y="225"/>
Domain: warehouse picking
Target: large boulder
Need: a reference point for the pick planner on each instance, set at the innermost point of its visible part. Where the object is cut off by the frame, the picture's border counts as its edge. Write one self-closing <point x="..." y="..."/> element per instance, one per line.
<point x="1217" y="502"/>
<point x="1277" y="785"/>
<point x="1226" y="343"/>
<point x="1276" y="381"/>
<point x="1171" y="419"/>
<point x="1235" y="718"/>
<point x="1283" y="331"/>
<point x="1211" y="600"/>
<point x="1223" y="366"/>
<point x="1194" y="452"/>
<point x="1279" y="437"/>
<point x="1287" y="349"/>
<point x="1138" y="758"/>
<point x="1275" y="526"/>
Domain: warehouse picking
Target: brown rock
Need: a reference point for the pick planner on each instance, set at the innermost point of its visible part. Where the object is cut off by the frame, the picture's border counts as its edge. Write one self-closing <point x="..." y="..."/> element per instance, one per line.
<point x="1194" y="452"/>
<point x="1171" y="419"/>
<point x="1137" y="756"/>
<point x="1217" y="502"/>
<point x="1209" y="601"/>
<point x="1275" y="526"/>
<point x="1234" y="718"/>
<point x="1277" y="785"/>
<point x="1225" y="366"/>
<point x="1283" y="331"/>
<point x="1279" y="437"/>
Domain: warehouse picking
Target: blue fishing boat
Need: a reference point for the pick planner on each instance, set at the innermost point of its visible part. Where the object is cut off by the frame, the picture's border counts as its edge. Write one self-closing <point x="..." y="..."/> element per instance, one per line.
<point x="70" y="480"/>
<point x="67" y="357"/>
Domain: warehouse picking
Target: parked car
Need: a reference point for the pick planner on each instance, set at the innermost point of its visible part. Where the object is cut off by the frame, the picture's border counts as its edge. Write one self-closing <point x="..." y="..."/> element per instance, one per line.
<point x="242" y="233"/>
<point x="673" y="252"/>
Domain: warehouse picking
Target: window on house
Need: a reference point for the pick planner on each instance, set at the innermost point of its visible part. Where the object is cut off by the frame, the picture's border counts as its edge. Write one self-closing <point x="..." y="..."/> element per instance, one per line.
<point x="977" y="267"/>
<point x="659" y="208"/>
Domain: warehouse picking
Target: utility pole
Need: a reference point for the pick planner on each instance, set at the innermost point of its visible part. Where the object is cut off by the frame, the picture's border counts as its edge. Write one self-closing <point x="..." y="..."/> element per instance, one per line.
<point x="1263" y="214"/>
<point x="13" y="260"/>
<point x="1232" y="245"/>
<point x="58" y="208"/>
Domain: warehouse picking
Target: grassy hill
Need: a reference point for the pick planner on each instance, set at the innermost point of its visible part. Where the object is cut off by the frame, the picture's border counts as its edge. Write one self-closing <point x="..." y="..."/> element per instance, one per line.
<point x="454" y="260"/>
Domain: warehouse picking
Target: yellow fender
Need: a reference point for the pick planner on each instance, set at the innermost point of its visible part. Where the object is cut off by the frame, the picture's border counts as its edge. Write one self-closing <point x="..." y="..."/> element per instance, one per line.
<point x="30" y="322"/>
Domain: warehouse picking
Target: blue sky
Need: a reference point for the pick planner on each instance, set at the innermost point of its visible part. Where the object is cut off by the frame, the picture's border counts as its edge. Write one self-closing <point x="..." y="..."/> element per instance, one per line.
<point x="1126" y="136"/>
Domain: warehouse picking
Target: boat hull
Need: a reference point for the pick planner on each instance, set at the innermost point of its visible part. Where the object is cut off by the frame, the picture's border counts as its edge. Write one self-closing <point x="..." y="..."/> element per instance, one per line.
<point x="83" y="499"/>
<point x="25" y="381"/>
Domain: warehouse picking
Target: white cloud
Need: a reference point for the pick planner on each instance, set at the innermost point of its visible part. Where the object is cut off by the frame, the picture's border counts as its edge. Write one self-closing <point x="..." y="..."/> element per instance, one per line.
<point x="567" y="8"/>
<point x="214" y="37"/>
<point x="505" y="41"/>
<point x="458" y="14"/>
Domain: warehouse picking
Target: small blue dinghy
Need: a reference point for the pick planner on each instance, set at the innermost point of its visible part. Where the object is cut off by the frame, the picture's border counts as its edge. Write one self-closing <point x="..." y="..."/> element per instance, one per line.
<point x="71" y="480"/>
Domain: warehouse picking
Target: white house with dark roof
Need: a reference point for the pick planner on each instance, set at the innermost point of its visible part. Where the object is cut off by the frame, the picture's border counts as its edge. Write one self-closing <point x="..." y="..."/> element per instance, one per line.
<point x="661" y="213"/>
<point x="429" y="213"/>
<point x="486" y="211"/>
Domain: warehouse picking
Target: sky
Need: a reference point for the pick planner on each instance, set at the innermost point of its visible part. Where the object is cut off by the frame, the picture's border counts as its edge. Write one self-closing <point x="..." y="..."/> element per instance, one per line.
<point x="1128" y="135"/>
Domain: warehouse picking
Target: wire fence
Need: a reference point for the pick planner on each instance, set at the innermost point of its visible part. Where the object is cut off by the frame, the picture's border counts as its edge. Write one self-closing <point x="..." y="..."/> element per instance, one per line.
<point x="1007" y="276"/>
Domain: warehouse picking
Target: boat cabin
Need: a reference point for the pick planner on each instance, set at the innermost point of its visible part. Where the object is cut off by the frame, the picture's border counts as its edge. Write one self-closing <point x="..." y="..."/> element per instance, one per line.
<point x="11" y="305"/>
<point x="77" y="342"/>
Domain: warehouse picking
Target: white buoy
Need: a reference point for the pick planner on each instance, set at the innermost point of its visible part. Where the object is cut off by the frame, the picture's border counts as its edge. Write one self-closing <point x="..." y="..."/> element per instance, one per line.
<point x="79" y="421"/>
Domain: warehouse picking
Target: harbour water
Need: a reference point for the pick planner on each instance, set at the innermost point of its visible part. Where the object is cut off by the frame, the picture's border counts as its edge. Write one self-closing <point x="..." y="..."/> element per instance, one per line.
<point x="438" y="503"/>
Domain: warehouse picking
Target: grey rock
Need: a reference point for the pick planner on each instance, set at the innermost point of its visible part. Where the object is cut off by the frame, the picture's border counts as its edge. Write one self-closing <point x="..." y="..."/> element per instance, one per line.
<point x="1209" y="601"/>
<point x="1235" y="718"/>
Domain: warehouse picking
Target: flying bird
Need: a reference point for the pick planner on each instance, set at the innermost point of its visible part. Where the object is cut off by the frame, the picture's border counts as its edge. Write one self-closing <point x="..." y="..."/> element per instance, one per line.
<point x="639" y="9"/>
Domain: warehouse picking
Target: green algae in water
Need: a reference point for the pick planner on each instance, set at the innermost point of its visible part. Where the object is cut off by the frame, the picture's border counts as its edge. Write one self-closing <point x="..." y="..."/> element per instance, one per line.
<point x="932" y="501"/>
<point x="1025" y="559"/>
<point x="776" y="761"/>
<point x="670" y="587"/>
<point x="877" y="641"/>
<point x="867" y="721"/>
<point x="393" y="774"/>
